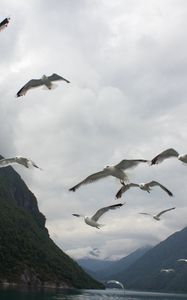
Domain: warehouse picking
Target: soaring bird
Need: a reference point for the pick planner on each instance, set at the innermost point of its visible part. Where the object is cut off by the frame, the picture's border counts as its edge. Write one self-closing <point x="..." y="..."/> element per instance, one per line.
<point x="18" y="159"/>
<point x="4" y="23"/>
<point x="167" y="270"/>
<point x="116" y="282"/>
<point x="182" y="260"/>
<point x="44" y="81"/>
<point x="92" y="221"/>
<point x="143" y="186"/>
<point x="157" y="217"/>
<point x="115" y="171"/>
<point x="167" y="154"/>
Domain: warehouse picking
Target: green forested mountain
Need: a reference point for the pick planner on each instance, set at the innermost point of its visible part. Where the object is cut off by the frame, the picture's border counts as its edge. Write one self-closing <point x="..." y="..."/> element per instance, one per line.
<point x="145" y="273"/>
<point x="27" y="254"/>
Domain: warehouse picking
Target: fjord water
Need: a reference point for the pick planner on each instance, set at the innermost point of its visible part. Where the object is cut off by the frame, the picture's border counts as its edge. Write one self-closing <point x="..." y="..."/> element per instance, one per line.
<point x="108" y="294"/>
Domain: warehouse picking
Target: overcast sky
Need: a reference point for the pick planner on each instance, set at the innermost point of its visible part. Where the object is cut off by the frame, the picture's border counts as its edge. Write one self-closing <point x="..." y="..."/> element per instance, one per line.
<point x="127" y="64"/>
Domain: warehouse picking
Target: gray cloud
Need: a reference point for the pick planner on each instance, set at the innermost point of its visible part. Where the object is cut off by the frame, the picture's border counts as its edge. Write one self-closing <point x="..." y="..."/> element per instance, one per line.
<point x="126" y="63"/>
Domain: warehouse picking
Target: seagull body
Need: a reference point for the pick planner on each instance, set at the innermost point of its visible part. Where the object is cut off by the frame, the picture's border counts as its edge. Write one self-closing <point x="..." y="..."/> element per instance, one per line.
<point x="92" y="221"/>
<point x="4" y="23"/>
<point x="46" y="81"/>
<point x="167" y="154"/>
<point x="167" y="270"/>
<point x="115" y="171"/>
<point x="182" y="259"/>
<point x="18" y="159"/>
<point x="157" y="217"/>
<point x="143" y="186"/>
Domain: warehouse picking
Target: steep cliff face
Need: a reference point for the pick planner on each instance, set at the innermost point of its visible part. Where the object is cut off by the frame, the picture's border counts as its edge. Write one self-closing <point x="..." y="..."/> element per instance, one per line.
<point x="27" y="254"/>
<point x="13" y="188"/>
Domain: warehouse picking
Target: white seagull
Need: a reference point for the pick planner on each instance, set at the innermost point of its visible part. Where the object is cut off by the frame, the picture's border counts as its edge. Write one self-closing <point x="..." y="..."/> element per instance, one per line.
<point x="167" y="270"/>
<point x="143" y="186"/>
<point x="157" y="217"/>
<point x="44" y="81"/>
<point x="167" y="154"/>
<point x="92" y="221"/>
<point x="115" y="171"/>
<point x="18" y="159"/>
<point x="182" y="260"/>
<point x="4" y="23"/>
<point x="116" y="282"/>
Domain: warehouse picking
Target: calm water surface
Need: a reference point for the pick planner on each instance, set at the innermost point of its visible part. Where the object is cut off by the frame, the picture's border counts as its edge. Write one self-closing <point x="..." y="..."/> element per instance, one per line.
<point x="109" y="294"/>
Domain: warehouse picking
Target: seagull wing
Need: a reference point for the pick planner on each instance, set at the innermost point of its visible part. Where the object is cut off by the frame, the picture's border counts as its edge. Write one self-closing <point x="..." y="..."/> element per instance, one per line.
<point x="55" y="77"/>
<point x="90" y="179"/>
<point x="164" y="155"/>
<point x="124" y="188"/>
<point x="4" y="23"/>
<point x="26" y="162"/>
<point x="77" y="215"/>
<point x="164" y="211"/>
<point x="7" y="161"/>
<point x="18" y="159"/>
<point x="103" y="210"/>
<point x="146" y="214"/>
<point x="155" y="183"/>
<point x="33" y="83"/>
<point x="129" y="163"/>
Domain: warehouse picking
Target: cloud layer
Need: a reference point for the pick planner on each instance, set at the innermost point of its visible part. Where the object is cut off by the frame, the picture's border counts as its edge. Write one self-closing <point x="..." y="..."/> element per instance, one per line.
<point x="126" y="61"/>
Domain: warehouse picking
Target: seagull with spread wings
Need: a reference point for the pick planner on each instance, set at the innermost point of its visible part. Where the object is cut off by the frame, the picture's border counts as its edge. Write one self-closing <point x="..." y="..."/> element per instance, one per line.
<point x="4" y="23"/>
<point x="143" y="186"/>
<point x="92" y="221"/>
<point x="167" y="270"/>
<point x="19" y="160"/>
<point x="115" y="171"/>
<point x="46" y="81"/>
<point x="182" y="260"/>
<point x="157" y="217"/>
<point x="167" y="154"/>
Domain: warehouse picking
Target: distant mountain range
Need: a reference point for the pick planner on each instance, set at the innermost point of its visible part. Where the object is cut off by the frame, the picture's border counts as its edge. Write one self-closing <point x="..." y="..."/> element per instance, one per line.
<point x="141" y="270"/>
<point x="106" y="269"/>
<point x="27" y="254"/>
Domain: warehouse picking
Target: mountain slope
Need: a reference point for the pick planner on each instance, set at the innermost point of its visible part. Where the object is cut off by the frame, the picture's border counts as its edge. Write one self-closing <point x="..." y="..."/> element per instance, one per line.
<point x="121" y="265"/>
<point x="27" y="254"/>
<point x="145" y="273"/>
<point x="94" y="265"/>
<point x="106" y="269"/>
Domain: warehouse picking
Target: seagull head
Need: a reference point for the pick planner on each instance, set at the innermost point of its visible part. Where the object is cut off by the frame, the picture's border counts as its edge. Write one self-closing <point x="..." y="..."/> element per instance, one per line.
<point x="183" y="158"/>
<point x="142" y="185"/>
<point x="107" y="168"/>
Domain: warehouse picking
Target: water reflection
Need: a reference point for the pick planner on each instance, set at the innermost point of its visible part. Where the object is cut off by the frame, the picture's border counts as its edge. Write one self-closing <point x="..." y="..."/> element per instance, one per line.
<point x="108" y="294"/>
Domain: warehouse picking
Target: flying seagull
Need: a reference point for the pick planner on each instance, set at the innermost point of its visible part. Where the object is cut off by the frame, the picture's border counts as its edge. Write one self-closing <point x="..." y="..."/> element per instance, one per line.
<point x="116" y="282"/>
<point x="167" y="154"/>
<point x="157" y="217"/>
<point x="143" y="186"/>
<point x="4" y="23"/>
<point x="92" y="221"/>
<point x="44" y="81"/>
<point x="182" y="260"/>
<point x="18" y="159"/>
<point x="167" y="270"/>
<point x="115" y="171"/>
